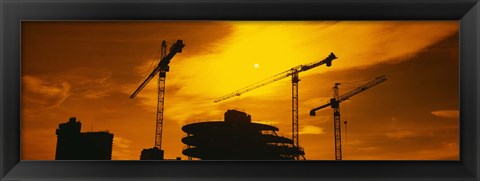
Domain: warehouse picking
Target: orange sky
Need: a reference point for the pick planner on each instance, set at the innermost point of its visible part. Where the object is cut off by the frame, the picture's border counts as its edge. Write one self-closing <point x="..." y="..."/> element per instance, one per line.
<point x="89" y="70"/>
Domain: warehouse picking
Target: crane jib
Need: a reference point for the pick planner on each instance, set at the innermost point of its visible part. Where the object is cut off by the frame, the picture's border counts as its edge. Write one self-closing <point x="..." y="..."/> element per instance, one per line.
<point x="144" y="83"/>
<point x="162" y="66"/>
<point x="349" y="94"/>
<point x="291" y="72"/>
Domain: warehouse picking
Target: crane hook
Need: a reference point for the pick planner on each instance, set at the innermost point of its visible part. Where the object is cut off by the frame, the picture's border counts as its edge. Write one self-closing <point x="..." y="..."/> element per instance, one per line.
<point x="345" y="122"/>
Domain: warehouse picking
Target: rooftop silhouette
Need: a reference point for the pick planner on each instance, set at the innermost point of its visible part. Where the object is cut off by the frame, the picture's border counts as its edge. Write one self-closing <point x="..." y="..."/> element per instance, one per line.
<point x="75" y="145"/>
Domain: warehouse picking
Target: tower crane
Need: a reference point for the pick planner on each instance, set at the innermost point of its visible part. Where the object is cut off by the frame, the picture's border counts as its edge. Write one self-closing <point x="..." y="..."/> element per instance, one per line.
<point x="161" y="69"/>
<point x="335" y="105"/>
<point x="293" y="72"/>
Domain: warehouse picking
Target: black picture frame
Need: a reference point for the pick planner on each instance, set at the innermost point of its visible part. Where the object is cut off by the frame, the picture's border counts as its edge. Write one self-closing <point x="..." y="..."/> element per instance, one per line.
<point x="12" y="12"/>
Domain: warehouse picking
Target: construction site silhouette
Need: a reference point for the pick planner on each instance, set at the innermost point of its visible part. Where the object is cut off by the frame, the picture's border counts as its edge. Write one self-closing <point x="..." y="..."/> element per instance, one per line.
<point x="237" y="138"/>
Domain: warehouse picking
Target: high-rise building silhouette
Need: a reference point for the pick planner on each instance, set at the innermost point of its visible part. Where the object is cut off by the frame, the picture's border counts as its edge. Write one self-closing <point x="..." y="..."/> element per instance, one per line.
<point x="75" y="145"/>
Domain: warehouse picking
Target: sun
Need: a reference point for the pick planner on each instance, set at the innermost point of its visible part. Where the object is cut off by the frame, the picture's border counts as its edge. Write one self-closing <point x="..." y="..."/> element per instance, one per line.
<point x="256" y="65"/>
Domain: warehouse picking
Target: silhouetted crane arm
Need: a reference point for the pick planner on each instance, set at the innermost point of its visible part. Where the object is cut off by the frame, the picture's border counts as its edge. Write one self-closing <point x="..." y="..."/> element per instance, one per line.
<point x="145" y="82"/>
<point x="327" y="61"/>
<point x="162" y="65"/>
<point x="176" y="48"/>
<point x="280" y="76"/>
<point x="362" y="88"/>
<point x="351" y="93"/>
<point x="312" y="112"/>
<point x="258" y="84"/>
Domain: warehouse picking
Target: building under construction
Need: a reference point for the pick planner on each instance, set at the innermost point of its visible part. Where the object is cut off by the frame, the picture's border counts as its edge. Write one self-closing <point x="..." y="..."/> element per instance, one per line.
<point x="237" y="138"/>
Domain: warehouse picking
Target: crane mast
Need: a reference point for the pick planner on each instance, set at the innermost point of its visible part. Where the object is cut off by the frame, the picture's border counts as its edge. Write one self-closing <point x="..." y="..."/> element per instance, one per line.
<point x="295" y="130"/>
<point x="335" y="105"/>
<point x="336" y="123"/>
<point x="161" y="69"/>
<point x="161" y="98"/>
<point x="293" y="72"/>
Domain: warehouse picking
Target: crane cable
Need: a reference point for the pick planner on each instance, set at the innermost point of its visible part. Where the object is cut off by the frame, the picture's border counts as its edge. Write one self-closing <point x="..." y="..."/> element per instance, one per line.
<point x="345" y="122"/>
<point x="355" y="82"/>
<point x="157" y="57"/>
<point x="325" y="98"/>
<point x="350" y="84"/>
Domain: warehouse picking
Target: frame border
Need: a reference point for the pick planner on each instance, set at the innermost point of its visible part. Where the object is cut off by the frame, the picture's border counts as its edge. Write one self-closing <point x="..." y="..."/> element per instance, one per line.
<point x="12" y="12"/>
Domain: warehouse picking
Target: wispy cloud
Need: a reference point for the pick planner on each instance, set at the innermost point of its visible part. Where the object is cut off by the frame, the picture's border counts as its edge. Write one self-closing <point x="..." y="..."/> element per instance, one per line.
<point x="121" y="149"/>
<point x="401" y="134"/>
<point x="446" y="113"/>
<point x="309" y="129"/>
<point x="43" y="94"/>
<point x="100" y="87"/>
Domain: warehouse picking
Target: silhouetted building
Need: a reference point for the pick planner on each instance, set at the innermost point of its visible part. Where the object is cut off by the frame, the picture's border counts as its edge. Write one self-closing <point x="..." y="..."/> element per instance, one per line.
<point x="74" y="145"/>
<point x="152" y="154"/>
<point x="237" y="138"/>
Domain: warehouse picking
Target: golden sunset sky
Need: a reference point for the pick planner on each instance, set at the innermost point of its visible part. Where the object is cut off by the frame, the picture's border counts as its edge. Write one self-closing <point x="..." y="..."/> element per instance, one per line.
<point x="89" y="70"/>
